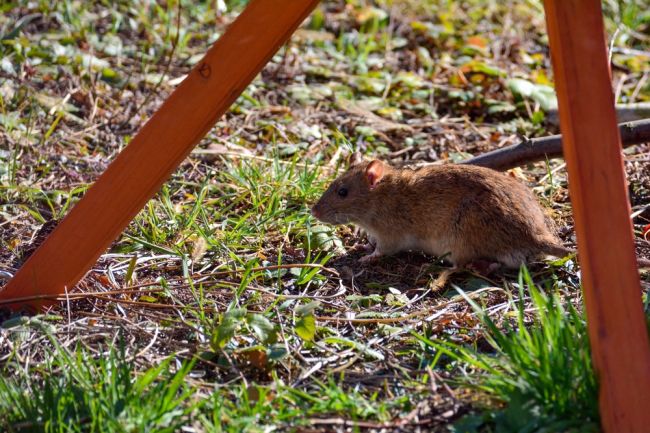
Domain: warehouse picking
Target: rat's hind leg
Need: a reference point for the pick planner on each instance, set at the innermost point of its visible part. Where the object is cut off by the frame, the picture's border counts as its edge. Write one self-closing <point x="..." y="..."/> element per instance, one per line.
<point x="484" y="267"/>
<point x="477" y="265"/>
<point x="513" y="259"/>
<point x="457" y="264"/>
<point x="441" y="280"/>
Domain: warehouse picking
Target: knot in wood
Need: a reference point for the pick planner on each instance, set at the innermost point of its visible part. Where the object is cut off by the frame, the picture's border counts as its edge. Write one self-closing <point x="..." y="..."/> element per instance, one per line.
<point x="205" y="70"/>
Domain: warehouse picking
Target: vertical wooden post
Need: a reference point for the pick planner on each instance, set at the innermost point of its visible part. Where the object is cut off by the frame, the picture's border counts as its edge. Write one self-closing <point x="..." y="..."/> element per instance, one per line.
<point x="617" y="330"/>
<point x="159" y="147"/>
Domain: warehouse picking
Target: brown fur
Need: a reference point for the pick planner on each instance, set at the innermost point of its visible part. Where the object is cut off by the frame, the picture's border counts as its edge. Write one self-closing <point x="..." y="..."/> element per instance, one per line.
<point x="465" y="212"/>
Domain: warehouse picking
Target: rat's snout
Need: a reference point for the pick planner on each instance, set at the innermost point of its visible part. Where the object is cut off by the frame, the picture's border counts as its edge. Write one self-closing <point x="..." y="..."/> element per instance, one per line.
<point x="316" y="211"/>
<point x="324" y="213"/>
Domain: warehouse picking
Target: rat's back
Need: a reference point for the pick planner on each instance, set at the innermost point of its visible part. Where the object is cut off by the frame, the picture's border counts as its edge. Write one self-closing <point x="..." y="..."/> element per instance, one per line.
<point x="488" y="215"/>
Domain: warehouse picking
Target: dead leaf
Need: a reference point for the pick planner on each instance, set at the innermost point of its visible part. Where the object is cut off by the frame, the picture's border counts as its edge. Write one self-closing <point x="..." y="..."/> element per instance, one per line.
<point x="306" y="35"/>
<point x="255" y="358"/>
<point x="477" y="41"/>
<point x="199" y="248"/>
<point x="215" y="149"/>
<point x="376" y="122"/>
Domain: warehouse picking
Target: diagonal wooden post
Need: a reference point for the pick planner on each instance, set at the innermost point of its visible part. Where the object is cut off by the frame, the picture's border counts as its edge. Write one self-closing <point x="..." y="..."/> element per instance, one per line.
<point x="592" y="149"/>
<point x="161" y="145"/>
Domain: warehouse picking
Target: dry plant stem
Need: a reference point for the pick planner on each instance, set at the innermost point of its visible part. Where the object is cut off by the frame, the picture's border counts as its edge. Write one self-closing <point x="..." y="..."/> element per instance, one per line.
<point x="138" y="288"/>
<point x="537" y="149"/>
<point x="267" y="268"/>
<point x="381" y="320"/>
<point x="388" y="320"/>
<point x="366" y="424"/>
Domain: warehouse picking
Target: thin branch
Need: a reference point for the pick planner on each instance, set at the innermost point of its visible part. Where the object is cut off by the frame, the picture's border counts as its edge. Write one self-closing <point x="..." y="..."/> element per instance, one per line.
<point x="537" y="149"/>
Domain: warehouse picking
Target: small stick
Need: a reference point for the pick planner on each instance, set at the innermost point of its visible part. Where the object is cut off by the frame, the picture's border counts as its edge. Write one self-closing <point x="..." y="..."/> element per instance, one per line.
<point x="537" y="149"/>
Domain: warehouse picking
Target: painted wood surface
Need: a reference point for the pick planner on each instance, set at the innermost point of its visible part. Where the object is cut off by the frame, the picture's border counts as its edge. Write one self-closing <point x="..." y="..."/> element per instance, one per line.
<point x="597" y="186"/>
<point x="139" y="171"/>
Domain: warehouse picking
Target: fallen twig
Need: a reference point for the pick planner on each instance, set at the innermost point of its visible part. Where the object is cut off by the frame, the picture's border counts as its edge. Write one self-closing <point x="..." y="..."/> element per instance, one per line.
<point x="624" y="112"/>
<point x="537" y="149"/>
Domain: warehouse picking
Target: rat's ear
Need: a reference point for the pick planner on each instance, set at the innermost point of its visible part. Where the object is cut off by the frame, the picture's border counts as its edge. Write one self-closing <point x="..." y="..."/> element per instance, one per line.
<point x="355" y="158"/>
<point x="374" y="173"/>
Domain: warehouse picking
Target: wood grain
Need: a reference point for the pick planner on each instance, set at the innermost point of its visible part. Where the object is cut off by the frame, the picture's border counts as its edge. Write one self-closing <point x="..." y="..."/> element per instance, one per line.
<point x="592" y="150"/>
<point x="160" y="146"/>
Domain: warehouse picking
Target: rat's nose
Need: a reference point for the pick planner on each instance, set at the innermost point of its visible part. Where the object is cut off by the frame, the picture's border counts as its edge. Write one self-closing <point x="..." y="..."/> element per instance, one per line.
<point x="314" y="211"/>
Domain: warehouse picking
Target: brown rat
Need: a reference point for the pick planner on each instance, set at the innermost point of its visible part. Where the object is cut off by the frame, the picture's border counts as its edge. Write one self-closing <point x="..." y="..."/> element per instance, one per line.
<point x="467" y="213"/>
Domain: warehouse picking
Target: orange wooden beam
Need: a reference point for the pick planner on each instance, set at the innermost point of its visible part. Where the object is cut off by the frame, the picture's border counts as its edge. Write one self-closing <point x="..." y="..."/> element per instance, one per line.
<point x="592" y="149"/>
<point x="161" y="145"/>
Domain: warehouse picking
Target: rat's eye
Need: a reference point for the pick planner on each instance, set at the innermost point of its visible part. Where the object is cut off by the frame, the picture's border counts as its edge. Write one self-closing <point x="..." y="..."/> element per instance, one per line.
<point x="343" y="192"/>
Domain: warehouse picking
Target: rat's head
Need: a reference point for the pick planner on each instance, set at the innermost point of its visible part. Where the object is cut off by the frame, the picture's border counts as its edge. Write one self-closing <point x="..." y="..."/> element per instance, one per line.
<point x="350" y="196"/>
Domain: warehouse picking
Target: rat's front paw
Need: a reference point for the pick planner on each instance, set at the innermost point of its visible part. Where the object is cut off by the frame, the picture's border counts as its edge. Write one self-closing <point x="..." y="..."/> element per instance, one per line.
<point x="370" y="258"/>
<point x="365" y="247"/>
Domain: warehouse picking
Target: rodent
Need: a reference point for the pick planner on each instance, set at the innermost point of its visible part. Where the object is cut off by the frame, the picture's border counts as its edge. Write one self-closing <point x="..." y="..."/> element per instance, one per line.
<point x="465" y="213"/>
